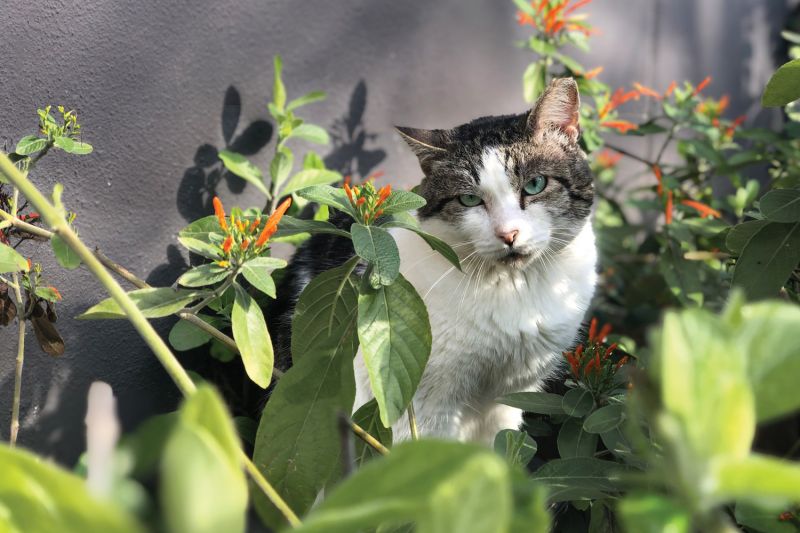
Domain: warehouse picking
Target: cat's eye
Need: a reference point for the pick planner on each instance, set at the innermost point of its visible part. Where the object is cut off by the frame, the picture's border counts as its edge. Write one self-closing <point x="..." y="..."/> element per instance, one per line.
<point x="470" y="200"/>
<point x="535" y="186"/>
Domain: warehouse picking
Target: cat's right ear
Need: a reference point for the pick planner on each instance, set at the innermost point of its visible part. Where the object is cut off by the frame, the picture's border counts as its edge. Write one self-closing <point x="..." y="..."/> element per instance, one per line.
<point x="426" y="144"/>
<point x="557" y="109"/>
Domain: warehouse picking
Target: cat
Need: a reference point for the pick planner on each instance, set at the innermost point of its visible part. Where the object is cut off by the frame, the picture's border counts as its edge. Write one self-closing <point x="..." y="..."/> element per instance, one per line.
<point x="513" y="196"/>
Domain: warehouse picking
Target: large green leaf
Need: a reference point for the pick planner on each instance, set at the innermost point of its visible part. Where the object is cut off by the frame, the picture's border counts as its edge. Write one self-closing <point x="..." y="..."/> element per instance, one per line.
<point x="240" y="166"/>
<point x="327" y="195"/>
<point x="767" y="260"/>
<point x="294" y="226"/>
<point x="203" y="275"/>
<point x="545" y="403"/>
<point x="310" y="133"/>
<point x="740" y="234"/>
<point x="298" y="444"/>
<point x="11" y="260"/>
<point x="65" y="255"/>
<point x="154" y="302"/>
<point x="203" y="237"/>
<point x="781" y="205"/>
<point x="605" y="419"/>
<point x="434" y="242"/>
<point x="377" y="246"/>
<point x="573" y="441"/>
<point x="258" y="271"/>
<point x="441" y="486"/>
<point x="784" y="86"/>
<point x="38" y="497"/>
<point x="368" y="417"/>
<point x="252" y="337"/>
<point x="30" y="144"/>
<point x="395" y="340"/>
<point x="757" y="478"/>
<point x="309" y="177"/>
<point x="577" y="402"/>
<point x="186" y="336"/>
<point x="580" y="478"/>
<point x="401" y="201"/>
<point x="203" y="488"/>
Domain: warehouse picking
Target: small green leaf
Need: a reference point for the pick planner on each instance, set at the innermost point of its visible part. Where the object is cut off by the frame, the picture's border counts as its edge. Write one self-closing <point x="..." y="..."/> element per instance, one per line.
<point x="577" y="402"/>
<point x="280" y="167"/>
<point x="186" y="336"/>
<point x="203" y="237"/>
<point x="573" y="441"/>
<point x="252" y="338"/>
<point x="516" y="446"/>
<point x="376" y="246"/>
<point x="545" y="403"/>
<point x="72" y="146"/>
<point x="781" y="205"/>
<point x="308" y="98"/>
<point x="400" y="201"/>
<point x="327" y="195"/>
<point x="757" y="478"/>
<point x="154" y="302"/>
<point x="203" y="275"/>
<point x="605" y="419"/>
<point x="11" y="260"/>
<point x="65" y="255"/>
<point x="258" y="272"/>
<point x="310" y="133"/>
<point x="784" y="86"/>
<point x="768" y="259"/>
<point x="534" y="81"/>
<point x="30" y="144"/>
<point x="368" y="417"/>
<point x="293" y="226"/>
<point x="309" y="177"/>
<point x="239" y="165"/>
<point x="395" y="340"/>
<point x="278" y="89"/>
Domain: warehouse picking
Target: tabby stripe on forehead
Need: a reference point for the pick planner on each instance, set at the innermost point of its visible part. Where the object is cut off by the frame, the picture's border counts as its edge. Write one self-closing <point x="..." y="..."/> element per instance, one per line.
<point x="584" y="195"/>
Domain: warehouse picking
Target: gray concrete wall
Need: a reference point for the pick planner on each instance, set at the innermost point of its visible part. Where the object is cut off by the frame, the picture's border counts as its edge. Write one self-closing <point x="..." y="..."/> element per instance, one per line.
<point x="161" y="85"/>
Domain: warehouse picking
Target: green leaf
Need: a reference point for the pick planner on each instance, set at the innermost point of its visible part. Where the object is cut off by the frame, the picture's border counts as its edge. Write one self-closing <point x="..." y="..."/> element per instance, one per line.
<point x="11" y="260"/>
<point x="289" y="226"/>
<point x="30" y="144"/>
<point x="763" y="517"/>
<point x="545" y="403"/>
<point x="311" y="133"/>
<point x="65" y="255"/>
<point x="740" y="234"/>
<point x="376" y="246"/>
<point x="252" y="338"/>
<point x="186" y="336"/>
<point x="516" y="446"/>
<point x="440" y="486"/>
<point x="767" y="260"/>
<point x="258" y="272"/>
<point x="650" y="513"/>
<point x="395" y="340"/>
<point x="308" y="98"/>
<point x="579" y="478"/>
<point x="400" y="201"/>
<point x="239" y="165"/>
<point x="784" y="86"/>
<point x="327" y="195"/>
<point x="203" y="237"/>
<point x="573" y="441"/>
<point x="525" y="7"/>
<point x="72" y="146"/>
<point x="203" y="488"/>
<point x="577" y="402"/>
<point x="434" y="242"/>
<point x="278" y="89"/>
<point x="605" y="419"/>
<point x="781" y="205"/>
<point x="298" y="441"/>
<point x="309" y="177"/>
<point x="368" y="417"/>
<point x="203" y="275"/>
<point x="153" y="302"/>
<point x="280" y="167"/>
<point x="37" y="496"/>
<point x="757" y="478"/>
<point x="530" y="506"/>
<point x="534" y="81"/>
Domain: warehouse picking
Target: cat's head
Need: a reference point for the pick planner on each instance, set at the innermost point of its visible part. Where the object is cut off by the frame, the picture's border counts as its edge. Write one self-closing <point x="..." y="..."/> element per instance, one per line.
<point x="512" y="189"/>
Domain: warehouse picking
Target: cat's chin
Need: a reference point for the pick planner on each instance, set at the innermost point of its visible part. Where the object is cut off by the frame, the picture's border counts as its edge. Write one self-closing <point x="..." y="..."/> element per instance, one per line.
<point x="515" y="259"/>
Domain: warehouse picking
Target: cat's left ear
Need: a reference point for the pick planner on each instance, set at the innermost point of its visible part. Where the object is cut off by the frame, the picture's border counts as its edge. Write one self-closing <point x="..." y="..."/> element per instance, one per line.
<point x="557" y="109"/>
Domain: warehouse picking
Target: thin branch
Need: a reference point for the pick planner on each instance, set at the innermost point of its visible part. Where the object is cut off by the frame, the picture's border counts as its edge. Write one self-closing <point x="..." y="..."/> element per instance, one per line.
<point x="630" y="154"/>
<point x="412" y="422"/>
<point x="369" y="439"/>
<point x="21" y="323"/>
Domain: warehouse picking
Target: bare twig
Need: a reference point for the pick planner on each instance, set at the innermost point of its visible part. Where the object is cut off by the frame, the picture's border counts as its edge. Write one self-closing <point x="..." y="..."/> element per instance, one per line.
<point x="21" y="323"/>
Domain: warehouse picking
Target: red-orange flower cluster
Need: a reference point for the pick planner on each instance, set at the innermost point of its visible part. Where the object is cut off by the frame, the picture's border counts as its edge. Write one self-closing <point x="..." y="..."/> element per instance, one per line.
<point x="242" y="234"/>
<point x="593" y="361"/>
<point x="608" y="159"/>
<point x="551" y="17"/>
<point x="366" y="199"/>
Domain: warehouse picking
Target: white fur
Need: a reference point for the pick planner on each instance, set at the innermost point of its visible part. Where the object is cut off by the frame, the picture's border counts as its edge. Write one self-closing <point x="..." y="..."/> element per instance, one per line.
<point x="496" y="329"/>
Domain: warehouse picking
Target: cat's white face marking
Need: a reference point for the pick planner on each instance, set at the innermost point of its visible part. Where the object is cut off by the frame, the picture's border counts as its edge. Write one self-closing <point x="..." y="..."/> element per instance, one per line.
<point x="501" y="214"/>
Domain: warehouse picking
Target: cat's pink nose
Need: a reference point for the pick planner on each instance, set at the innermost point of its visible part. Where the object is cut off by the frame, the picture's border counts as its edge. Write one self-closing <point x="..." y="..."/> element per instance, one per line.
<point x="508" y="236"/>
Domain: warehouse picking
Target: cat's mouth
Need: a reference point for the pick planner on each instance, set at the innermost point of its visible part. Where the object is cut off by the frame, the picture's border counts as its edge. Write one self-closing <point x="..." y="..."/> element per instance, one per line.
<point x="515" y="258"/>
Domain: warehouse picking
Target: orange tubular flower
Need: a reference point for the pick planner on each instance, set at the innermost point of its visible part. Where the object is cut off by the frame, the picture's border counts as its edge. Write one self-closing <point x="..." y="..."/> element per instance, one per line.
<point x="575" y="7"/>
<point x="668" y="209"/>
<point x="622" y="126"/>
<point x="240" y="225"/>
<point x="227" y="244"/>
<point x="621" y="362"/>
<point x="360" y="201"/>
<point x="603" y="333"/>
<point x="348" y="191"/>
<point x="646" y="91"/>
<point x="657" y="172"/>
<point x="608" y="159"/>
<point x="703" y="84"/>
<point x="384" y="193"/>
<point x="245" y="244"/>
<point x="55" y="291"/>
<point x="220" y="212"/>
<point x="609" y="350"/>
<point x="272" y="222"/>
<point x="579" y="351"/>
<point x="671" y="88"/>
<point x="704" y="210"/>
<point x="524" y="19"/>
<point x="593" y="73"/>
<point x="592" y="329"/>
<point x="254" y="225"/>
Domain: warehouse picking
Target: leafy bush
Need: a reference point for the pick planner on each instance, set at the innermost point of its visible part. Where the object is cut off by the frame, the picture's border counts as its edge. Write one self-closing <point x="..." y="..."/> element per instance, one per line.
<point x="652" y="432"/>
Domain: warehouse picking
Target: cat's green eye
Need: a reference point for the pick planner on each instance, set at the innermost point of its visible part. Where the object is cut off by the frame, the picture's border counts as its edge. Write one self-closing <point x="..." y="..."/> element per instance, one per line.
<point x="535" y="186"/>
<point x="470" y="200"/>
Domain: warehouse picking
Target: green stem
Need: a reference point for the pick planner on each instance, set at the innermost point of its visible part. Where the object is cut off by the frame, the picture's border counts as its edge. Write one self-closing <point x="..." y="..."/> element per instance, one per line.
<point x="412" y="422"/>
<point x="21" y="323"/>
<point x="178" y="374"/>
<point x="219" y="291"/>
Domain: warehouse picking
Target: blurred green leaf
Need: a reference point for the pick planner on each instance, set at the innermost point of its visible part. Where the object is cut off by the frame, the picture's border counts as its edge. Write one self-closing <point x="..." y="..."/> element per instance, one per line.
<point x="310" y="133"/>
<point x="763" y="518"/>
<point x="154" y="302"/>
<point x="781" y="205"/>
<point x="767" y="260"/>
<point x="534" y="81"/>
<point x="308" y="98"/>
<point x="758" y="478"/>
<point x="516" y="446"/>
<point x="11" y="260"/>
<point x="580" y="478"/>
<point x="545" y="403"/>
<point x="784" y="85"/>
<point x="650" y="513"/>
<point x="252" y="338"/>
<point x="742" y="233"/>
